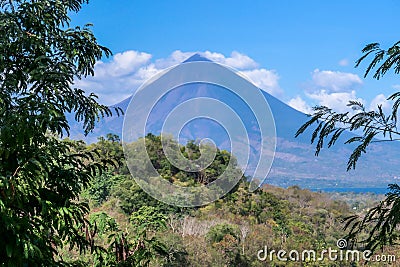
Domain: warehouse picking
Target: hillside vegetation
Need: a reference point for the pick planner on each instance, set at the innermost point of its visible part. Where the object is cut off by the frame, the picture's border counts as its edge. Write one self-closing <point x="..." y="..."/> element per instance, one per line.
<point x="130" y="228"/>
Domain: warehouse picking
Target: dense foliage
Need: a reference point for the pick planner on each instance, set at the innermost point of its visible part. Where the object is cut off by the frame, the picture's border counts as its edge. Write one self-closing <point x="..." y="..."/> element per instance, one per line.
<point x="137" y="230"/>
<point x="40" y="175"/>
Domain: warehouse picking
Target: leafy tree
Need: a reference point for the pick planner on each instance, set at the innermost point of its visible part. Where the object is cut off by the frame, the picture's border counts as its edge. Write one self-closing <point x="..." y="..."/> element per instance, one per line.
<point x="381" y="221"/>
<point x="137" y="245"/>
<point x="101" y="187"/>
<point x="145" y="220"/>
<point x="225" y="237"/>
<point x="219" y="232"/>
<point x="111" y="148"/>
<point x="103" y="222"/>
<point x="41" y="176"/>
<point x="177" y="254"/>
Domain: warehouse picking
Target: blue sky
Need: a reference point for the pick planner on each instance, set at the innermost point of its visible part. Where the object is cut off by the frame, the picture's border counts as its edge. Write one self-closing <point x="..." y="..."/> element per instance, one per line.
<point x="302" y="52"/>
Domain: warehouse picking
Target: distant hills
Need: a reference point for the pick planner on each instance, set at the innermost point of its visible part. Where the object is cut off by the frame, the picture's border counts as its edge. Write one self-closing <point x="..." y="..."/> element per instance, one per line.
<point x="294" y="162"/>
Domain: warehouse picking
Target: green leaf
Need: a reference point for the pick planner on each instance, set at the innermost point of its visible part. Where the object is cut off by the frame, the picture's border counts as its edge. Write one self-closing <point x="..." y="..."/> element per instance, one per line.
<point x="9" y="250"/>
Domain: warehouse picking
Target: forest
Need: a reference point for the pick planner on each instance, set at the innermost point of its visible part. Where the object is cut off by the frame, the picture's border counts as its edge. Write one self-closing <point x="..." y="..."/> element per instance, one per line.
<point x="130" y="228"/>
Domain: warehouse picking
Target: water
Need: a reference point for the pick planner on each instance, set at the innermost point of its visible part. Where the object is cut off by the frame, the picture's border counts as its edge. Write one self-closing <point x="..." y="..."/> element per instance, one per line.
<point x="352" y="189"/>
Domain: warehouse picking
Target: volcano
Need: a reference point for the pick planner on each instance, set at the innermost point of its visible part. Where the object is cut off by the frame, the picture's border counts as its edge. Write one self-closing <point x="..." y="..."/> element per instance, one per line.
<point x="294" y="163"/>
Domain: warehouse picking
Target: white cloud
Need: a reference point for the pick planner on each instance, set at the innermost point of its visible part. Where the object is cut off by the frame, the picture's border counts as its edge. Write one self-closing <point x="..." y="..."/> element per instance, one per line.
<point x="175" y="58"/>
<point x="335" y="81"/>
<point x="265" y="79"/>
<point x="236" y="60"/>
<point x="122" y="64"/>
<point x="118" y="78"/>
<point x="336" y="101"/>
<point x="380" y="99"/>
<point x="113" y="81"/>
<point x="333" y="89"/>
<point x="301" y="105"/>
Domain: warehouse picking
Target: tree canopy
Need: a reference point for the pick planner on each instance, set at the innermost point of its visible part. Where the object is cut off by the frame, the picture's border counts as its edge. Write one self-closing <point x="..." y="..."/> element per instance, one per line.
<point x="137" y="230"/>
<point x="41" y="176"/>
